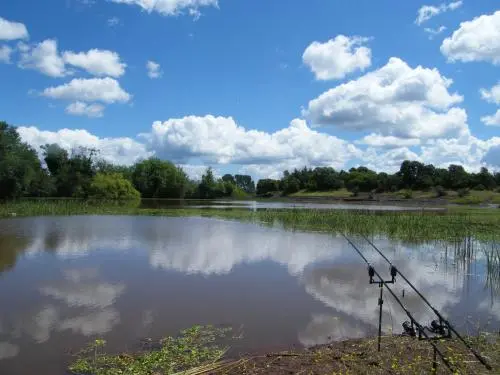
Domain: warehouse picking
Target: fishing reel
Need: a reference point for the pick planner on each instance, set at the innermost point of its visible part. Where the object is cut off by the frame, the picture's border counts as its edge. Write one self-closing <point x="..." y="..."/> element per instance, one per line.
<point x="438" y="328"/>
<point x="409" y="329"/>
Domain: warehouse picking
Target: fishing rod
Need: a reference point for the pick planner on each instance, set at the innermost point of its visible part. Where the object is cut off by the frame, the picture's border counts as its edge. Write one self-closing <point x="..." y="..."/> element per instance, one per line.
<point x="478" y="356"/>
<point x="372" y="272"/>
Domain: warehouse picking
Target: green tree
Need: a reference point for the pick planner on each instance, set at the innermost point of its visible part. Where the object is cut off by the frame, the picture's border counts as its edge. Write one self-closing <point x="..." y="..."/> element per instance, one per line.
<point x="102" y="166"/>
<point x="289" y="185"/>
<point x="19" y="164"/>
<point x="229" y="178"/>
<point x="112" y="187"/>
<point x="207" y="187"/>
<point x="155" y="178"/>
<point x="245" y="183"/>
<point x="326" y="179"/>
<point x="71" y="174"/>
<point x="361" y="179"/>
<point x="484" y="178"/>
<point x="267" y="185"/>
<point x="458" y="178"/>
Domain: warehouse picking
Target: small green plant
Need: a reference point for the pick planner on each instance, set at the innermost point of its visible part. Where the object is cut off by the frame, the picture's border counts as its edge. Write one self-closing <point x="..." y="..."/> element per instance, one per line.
<point x="407" y="194"/>
<point x="194" y="347"/>
<point x="355" y="191"/>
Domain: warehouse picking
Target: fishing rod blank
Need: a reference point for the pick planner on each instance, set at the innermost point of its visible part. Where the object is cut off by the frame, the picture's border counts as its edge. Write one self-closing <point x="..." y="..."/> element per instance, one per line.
<point x="450" y="327"/>
<point x="372" y="270"/>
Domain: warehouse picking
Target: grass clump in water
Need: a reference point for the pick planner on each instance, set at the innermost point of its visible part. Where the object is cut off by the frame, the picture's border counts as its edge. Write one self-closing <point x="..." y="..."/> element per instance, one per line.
<point x="194" y="348"/>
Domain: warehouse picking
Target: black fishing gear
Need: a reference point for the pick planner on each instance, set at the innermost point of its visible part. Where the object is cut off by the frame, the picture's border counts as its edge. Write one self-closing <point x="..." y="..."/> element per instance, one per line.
<point x="440" y="327"/>
<point x="413" y="326"/>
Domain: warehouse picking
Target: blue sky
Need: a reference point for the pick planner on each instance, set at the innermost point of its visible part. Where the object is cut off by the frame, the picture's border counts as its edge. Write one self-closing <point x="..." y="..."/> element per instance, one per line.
<point x="243" y="86"/>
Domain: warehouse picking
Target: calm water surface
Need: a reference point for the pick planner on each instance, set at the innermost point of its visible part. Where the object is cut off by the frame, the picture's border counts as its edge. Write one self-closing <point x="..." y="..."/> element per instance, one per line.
<point x="67" y="280"/>
<point x="262" y="204"/>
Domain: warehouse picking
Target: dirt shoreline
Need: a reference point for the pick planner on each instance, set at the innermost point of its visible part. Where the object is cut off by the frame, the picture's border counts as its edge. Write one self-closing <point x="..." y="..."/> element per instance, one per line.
<point x="398" y="355"/>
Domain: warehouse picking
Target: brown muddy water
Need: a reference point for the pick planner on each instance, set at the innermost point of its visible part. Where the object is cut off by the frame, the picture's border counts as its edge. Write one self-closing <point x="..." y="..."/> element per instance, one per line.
<point x="67" y="280"/>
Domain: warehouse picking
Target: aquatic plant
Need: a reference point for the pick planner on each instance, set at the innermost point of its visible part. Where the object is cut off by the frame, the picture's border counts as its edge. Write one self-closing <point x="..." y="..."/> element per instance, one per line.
<point x="194" y="348"/>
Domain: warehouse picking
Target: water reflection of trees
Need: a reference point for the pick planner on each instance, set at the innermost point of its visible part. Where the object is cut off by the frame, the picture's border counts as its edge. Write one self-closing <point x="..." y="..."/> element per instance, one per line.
<point x="11" y="247"/>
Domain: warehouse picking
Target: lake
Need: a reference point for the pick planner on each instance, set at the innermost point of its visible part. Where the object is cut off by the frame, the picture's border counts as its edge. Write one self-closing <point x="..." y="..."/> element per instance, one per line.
<point x="270" y="204"/>
<point x="67" y="280"/>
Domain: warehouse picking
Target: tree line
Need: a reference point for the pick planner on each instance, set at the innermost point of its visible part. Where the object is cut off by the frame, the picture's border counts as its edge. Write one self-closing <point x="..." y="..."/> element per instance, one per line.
<point x="412" y="175"/>
<point x="82" y="174"/>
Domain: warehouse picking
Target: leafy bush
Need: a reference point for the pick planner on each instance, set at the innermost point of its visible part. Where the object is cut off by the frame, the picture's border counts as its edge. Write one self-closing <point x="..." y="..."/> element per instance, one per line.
<point x="479" y="187"/>
<point x="463" y="192"/>
<point x="112" y="187"/>
<point x="407" y="194"/>
<point x="354" y="191"/>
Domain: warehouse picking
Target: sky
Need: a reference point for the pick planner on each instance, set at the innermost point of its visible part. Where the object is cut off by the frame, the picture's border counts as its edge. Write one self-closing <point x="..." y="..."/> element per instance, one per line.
<point x="256" y="86"/>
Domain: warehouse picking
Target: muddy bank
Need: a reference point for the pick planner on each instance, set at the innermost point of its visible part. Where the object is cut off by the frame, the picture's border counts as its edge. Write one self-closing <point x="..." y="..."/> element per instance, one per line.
<point x="399" y="355"/>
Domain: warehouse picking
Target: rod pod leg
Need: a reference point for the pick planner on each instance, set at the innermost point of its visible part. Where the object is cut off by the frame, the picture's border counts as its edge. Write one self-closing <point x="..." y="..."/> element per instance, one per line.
<point x="380" y="303"/>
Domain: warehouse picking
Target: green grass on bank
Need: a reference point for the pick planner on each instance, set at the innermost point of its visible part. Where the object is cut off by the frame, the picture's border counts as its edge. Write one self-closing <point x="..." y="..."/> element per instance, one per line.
<point x="198" y="350"/>
<point x="478" y="197"/>
<point x="472" y="198"/>
<point x="455" y="222"/>
<point x="337" y="194"/>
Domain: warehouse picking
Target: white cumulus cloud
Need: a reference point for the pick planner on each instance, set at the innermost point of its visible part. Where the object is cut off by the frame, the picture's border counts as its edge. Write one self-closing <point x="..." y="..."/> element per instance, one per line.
<point x="221" y="140"/>
<point x="5" y="52"/>
<point x="97" y="62"/>
<point x="476" y="40"/>
<point x="426" y="12"/>
<point x="46" y="58"/>
<point x="493" y="120"/>
<point x="10" y="30"/>
<point x="106" y="90"/>
<point x="395" y="100"/>
<point x="491" y="95"/>
<point x="122" y="150"/>
<point x="387" y="160"/>
<point x="377" y="140"/>
<point x="171" y="7"/>
<point x="43" y="57"/>
<point x="337" y="57"/>
<point x="468" y="151"/>
<point x="154" y="69"/>
<point x="492" y="157"/>
<point x="84" y="109"/>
